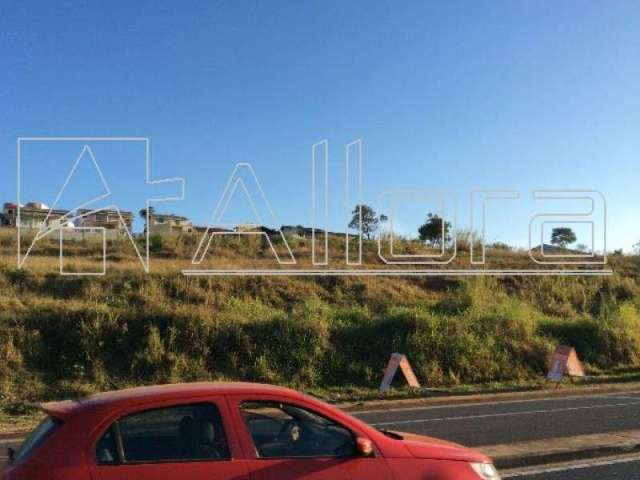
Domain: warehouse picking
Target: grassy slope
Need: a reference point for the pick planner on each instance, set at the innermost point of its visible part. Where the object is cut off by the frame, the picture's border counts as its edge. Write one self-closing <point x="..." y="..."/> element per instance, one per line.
<point x="64" y="336"/>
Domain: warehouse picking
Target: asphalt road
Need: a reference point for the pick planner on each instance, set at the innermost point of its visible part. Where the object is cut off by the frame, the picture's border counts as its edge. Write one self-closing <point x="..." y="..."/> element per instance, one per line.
<point x="614" y="469"/>
<point x="516" y="421"/>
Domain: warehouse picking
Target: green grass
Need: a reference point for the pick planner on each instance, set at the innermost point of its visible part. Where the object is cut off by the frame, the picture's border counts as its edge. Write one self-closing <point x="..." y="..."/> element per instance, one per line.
<point x="68" y="336"/>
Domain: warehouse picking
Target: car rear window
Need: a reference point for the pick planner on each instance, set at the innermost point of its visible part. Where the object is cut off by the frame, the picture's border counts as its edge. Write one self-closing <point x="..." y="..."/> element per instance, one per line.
<point x="36" y="438"/>
<point x="180" y="433"/>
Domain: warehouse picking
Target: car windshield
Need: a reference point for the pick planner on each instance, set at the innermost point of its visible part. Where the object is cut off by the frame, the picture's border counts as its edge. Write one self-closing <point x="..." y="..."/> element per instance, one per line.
<point x="282" y="431"/>
<point x="37" y="438"/>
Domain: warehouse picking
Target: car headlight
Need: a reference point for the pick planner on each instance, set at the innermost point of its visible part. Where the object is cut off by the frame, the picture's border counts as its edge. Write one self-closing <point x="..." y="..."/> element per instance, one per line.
<point x="486" y="471"/>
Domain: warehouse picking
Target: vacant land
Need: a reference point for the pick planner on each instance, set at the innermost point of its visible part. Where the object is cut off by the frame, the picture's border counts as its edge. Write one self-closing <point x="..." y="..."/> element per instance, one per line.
<point x="62" y="336"/>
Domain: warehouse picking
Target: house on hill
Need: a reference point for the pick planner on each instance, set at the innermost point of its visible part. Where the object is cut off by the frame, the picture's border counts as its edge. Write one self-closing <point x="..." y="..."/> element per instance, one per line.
<point x="255" y="229"/>
<point x="76" y="225"/>
<point x="33" y="215"/>
<point x="204" y="229"/>
<point x="110" y="220"/>
<point x="304" y="232"/>
<point x="295" y="231"/>
<point x="169" y="224"/>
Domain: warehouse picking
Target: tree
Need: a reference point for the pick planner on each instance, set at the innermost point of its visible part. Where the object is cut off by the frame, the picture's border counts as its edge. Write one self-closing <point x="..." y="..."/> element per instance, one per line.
<point x="562" y="236"/>
<point x="370" y="220"/>
<point x="582" y="247"/>
<point x="143" y="215"/>
<point x="143" y="212"/>
<point x="636" y="248"/>
<point x="435" y="230"/>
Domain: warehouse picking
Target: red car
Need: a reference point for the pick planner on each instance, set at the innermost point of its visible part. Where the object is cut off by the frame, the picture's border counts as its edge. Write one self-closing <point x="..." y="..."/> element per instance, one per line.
<point x="239" y="431"/>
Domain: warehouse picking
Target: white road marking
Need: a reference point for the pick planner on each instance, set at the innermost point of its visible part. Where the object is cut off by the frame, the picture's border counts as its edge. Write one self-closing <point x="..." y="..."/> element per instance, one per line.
<point x="627" y="397"/>
<point x="504" y="414"/>
<point x="498" y="402"/>
<point x="577" y="466"/>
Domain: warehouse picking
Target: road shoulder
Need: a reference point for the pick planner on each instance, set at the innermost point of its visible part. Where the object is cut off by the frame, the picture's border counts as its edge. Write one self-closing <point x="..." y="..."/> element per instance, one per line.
<point x="563" y="449"/>
<point x="449" y="400"/>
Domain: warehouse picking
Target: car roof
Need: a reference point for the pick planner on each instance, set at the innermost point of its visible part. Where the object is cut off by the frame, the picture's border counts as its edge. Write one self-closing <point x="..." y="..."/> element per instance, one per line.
<point x="159" y="393"/>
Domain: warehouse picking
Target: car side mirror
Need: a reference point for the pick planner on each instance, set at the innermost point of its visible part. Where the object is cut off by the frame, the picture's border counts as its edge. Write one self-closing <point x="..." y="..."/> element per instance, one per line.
<point x="11" y="454"/>
<point x="364" y="447"/>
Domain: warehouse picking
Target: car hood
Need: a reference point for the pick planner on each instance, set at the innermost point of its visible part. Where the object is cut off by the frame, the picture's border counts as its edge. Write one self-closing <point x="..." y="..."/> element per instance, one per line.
<point x="421" y="446"/>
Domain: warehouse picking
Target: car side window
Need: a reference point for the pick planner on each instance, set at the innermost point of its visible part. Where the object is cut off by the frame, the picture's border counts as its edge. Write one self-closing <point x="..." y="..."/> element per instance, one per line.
<point x="175" y="434"/>
<point x="281" y="430"/>
<point x="106" y="449"/>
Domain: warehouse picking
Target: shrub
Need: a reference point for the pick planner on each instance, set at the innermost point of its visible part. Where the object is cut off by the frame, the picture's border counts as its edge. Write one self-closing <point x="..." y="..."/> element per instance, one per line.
<point x="156" y="243"/>
<point x="62" y="336"/>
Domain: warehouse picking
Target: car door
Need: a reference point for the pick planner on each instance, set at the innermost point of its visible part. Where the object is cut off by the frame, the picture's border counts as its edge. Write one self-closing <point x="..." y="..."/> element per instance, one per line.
<point x="285" y="439"/>
<point x="169" y="442"/>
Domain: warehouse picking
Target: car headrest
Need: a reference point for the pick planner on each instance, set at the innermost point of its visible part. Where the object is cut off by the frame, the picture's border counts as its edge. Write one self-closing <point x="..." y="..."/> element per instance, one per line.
<point x="206" y="432"/>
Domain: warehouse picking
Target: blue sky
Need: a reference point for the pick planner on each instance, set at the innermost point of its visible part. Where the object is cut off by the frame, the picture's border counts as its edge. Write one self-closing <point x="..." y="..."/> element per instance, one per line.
<point x="444" y="95"/>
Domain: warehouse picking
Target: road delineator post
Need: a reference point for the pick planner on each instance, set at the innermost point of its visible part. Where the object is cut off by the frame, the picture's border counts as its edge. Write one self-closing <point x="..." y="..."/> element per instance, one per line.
<point x="398" y="360"/>
<point x="564" y="361"/>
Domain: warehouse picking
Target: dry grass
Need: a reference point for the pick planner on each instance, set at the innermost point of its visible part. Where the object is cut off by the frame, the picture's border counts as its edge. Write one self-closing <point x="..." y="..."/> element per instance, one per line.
<point x="62" y="336"/>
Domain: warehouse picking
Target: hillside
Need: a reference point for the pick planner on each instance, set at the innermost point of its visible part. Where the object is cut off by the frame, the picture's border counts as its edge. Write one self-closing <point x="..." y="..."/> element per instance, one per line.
<point x="62" y="335"/>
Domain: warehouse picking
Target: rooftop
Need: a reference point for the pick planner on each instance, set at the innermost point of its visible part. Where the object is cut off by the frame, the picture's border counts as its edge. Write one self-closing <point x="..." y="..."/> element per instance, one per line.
<point x="169" y="216"/>
<point x="159" y="392"/>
